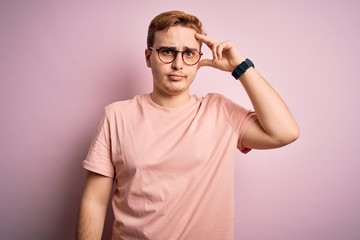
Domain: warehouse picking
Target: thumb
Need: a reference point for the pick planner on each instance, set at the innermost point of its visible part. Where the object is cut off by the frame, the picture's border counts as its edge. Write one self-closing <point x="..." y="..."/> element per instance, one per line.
<point x="205" y="63"/>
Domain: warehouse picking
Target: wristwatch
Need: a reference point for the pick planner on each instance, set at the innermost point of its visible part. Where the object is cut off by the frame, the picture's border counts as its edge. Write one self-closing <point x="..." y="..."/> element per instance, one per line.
<point x="241" y="68"/>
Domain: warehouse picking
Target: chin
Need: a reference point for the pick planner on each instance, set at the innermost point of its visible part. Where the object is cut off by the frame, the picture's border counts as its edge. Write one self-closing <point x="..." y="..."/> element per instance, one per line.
<point x="178" y="88"/>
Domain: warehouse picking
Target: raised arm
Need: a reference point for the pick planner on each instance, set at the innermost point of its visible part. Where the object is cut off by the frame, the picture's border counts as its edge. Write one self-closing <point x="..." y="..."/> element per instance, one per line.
<point x="276" y="126"/>
<point x="93" y="206"/>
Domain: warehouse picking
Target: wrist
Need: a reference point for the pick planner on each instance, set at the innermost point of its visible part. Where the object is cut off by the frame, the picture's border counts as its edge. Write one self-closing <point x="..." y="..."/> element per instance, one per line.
<point x="242" y="68"/>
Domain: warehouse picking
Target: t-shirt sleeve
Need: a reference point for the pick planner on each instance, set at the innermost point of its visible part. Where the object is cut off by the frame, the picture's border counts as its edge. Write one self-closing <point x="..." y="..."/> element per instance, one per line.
<point x="240" y="119"/>
<point x="99" y="157"/>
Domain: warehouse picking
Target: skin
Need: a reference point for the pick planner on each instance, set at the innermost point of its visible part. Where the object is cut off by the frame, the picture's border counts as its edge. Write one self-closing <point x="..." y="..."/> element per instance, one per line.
<point x="275" y="127"/>
<point x="171" y="82"/>
<point x="93" y="206"/>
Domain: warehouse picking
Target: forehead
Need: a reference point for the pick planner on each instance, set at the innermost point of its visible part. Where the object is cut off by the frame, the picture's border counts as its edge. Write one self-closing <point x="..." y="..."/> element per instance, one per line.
<point x="176" y="36"/>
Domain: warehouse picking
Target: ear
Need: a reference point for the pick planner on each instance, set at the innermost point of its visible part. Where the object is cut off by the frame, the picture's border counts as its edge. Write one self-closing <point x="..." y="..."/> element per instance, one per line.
<point x="147" y="57"/>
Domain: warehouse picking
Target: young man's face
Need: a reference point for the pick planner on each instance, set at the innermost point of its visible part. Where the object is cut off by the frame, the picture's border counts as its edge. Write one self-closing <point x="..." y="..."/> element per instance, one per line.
<point x="171" y="79"/>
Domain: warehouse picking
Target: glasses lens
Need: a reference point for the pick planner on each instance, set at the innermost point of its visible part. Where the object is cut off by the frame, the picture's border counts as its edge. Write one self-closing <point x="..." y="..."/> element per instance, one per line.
<point x="167" y="55"/>
<point x="191" y="57"/>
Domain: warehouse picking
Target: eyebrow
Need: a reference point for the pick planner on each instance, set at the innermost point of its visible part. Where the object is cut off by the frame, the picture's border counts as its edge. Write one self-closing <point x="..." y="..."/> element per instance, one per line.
<point x="185" y="48"/>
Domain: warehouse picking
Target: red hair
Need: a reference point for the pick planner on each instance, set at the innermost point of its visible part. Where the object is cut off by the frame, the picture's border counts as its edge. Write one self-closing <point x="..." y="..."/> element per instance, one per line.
<point x="165" y="20"/>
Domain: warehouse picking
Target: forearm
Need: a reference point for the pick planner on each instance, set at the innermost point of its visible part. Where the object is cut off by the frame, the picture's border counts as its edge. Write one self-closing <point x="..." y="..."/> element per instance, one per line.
<point x="91" y="220"/>
<point x="276" y="127"/>
<point x="93" y="206"/>
<point x="272" y="112"/>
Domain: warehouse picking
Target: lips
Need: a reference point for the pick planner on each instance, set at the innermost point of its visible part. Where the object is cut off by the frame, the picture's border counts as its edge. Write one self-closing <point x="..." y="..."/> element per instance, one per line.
<point x="176" y="76"/>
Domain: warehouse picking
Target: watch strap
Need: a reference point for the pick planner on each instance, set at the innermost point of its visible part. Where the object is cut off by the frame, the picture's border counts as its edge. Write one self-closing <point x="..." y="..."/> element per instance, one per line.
<point x="241" y="68"/>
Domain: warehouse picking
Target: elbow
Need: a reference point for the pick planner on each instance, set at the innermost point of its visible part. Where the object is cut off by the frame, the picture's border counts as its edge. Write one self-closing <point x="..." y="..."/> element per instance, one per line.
<point x="288" y="136"/>
<point x="293" y="135"/>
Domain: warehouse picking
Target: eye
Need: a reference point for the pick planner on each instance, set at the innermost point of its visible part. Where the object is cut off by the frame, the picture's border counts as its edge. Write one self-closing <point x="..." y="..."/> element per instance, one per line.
<point x="167" y="52"/>
<point x="189" y="53"/>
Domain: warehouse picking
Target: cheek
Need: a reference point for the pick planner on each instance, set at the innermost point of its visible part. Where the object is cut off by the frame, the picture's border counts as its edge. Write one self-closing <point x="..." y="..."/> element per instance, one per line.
<point x="192" y="74"/>
<point x="157" y="71"/>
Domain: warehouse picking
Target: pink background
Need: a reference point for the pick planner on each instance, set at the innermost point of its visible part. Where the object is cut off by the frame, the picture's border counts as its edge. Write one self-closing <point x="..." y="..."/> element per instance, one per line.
<point x="61" y="62"/>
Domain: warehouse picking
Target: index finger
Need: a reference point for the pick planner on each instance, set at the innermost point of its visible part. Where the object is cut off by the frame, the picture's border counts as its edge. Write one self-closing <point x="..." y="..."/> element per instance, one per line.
<point x="205" y="39"/>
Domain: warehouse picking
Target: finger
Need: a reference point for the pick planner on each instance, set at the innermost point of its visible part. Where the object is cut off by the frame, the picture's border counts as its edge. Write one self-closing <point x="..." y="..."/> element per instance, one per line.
<point x="212" y="44"/>
<point x="206" y="63"/>
<point x="219" y="50"/>
<point x="214" y="51"/>
<point x="222" y="47"/>
<point x="205" y="39"/>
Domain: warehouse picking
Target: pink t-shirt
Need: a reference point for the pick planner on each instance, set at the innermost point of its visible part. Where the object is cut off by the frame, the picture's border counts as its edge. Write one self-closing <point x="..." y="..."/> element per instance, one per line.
<point x="174" y="167"/>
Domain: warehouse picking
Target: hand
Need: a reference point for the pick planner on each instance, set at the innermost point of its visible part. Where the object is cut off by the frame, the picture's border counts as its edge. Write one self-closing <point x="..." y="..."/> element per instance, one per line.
<point x="225" y="55"/>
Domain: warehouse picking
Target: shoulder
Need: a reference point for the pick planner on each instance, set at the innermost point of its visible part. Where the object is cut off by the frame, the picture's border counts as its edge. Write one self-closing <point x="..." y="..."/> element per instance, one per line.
<point x="216" y="98"/>
<point x="223" y="103"/>
<point x="126" y="105"/>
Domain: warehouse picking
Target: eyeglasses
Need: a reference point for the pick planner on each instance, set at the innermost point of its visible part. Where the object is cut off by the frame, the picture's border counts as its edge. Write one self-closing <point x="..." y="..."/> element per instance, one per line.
<point x="168" y="55"/>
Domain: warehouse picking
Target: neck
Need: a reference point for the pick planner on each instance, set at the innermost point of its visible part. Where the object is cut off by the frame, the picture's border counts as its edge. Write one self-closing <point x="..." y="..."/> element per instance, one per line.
<point x="170" y="101"/>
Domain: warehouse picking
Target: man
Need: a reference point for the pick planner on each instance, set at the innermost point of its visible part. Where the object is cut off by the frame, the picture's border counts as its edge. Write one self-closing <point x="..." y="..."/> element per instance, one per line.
<point x="170" y="154"/>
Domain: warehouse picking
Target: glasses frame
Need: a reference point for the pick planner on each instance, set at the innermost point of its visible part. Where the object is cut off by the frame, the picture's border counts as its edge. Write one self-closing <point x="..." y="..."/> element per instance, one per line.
<point x="176" y="54"/>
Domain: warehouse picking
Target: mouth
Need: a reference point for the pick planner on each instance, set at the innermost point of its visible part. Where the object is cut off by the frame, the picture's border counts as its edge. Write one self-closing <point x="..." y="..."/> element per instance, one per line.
<point x="176" y="76"/>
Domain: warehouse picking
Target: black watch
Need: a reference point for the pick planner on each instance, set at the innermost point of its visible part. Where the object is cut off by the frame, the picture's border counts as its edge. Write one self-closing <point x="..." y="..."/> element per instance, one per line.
<point x="241" y="68"/>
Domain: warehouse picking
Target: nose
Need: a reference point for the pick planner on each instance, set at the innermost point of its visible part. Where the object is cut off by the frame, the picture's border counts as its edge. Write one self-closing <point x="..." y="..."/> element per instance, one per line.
<point x="178" y="63"/>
